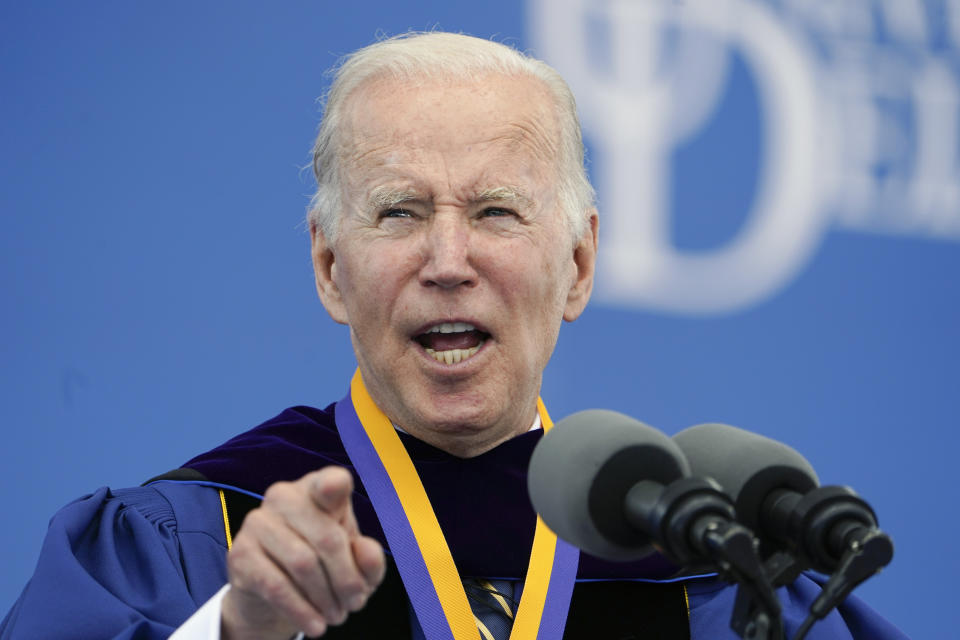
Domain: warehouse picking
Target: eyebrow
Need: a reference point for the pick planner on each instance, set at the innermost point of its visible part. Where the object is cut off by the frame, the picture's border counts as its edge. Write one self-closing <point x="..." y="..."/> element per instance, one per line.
<point x="504" y="194"/>
<point x="386" y="197"/>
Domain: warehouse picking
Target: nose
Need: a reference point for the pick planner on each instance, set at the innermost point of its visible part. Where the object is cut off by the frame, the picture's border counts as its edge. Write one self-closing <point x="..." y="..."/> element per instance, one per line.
<point x="448" y="259"/>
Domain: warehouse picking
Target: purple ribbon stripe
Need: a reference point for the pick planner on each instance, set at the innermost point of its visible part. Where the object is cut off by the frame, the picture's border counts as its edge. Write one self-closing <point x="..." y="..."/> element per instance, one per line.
<point x="396" y="527"/>
<point x="563" y="575"/>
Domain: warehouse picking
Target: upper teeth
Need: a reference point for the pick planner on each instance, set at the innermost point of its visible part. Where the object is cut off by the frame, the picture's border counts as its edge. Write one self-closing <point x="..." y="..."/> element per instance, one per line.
<point x="451" y="327"/>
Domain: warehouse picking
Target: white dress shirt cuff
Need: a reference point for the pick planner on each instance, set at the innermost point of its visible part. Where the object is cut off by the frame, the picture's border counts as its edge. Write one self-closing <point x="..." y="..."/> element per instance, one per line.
<point x="204" y="624"/>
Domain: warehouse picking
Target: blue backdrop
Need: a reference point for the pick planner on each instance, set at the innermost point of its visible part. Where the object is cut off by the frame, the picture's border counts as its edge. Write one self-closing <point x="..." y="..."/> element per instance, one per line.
<point x="779" y="188"/>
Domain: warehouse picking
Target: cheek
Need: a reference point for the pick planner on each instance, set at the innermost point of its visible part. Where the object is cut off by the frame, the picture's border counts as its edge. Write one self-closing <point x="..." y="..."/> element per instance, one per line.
<point x="363" y="281"/>
<point x="376" y="281"/>
<point x="539" y="290"/>
<point x="553" y="277"/>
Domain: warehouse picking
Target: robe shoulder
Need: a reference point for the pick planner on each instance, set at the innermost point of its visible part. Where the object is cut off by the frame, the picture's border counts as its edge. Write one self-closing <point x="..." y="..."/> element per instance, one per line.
<point x="127" y="563"/>
<point x="284" y="448"/>
<point x="711" y="601"/>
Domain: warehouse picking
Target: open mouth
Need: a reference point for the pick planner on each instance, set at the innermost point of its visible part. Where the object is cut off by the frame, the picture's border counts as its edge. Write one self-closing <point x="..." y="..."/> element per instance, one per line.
<point x="452" y="342"/>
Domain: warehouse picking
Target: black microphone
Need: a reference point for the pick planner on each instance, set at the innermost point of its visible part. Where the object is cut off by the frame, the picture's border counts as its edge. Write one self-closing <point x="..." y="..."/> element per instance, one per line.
<point x="777" y="495"/>
<point x="583" y="468"/>
<point x="615" y="487"/>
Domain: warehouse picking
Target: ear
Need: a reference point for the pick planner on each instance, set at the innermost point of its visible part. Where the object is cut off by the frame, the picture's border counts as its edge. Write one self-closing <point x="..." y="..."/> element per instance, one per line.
<point x="585" y="262"/>
<point x="325" y="272"/>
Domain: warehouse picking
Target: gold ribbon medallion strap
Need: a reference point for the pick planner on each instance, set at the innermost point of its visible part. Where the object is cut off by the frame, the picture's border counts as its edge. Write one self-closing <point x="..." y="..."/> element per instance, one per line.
<point x="419" y="547"/>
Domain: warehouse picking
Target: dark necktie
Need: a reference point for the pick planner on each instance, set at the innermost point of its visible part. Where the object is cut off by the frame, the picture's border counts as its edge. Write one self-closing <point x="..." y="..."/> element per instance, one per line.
<point x="493" y="606"/>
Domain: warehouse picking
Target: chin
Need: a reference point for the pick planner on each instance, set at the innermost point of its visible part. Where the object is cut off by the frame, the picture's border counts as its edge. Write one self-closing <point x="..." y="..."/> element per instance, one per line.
<point x="454" y="418"/>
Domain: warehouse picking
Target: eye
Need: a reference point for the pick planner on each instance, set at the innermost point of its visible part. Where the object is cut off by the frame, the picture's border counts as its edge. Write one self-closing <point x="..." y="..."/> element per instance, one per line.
<point x="498" y="219"/>
<point x="396" y="212"/>
<point x="496" y="212"/>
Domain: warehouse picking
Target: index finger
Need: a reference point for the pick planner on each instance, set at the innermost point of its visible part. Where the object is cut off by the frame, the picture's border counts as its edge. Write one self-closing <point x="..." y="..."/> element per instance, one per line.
<point x="330" y="489"/>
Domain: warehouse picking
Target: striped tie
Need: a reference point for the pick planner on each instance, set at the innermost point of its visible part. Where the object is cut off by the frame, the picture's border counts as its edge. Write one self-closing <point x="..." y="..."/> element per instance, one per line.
<point x="493" y="606"/>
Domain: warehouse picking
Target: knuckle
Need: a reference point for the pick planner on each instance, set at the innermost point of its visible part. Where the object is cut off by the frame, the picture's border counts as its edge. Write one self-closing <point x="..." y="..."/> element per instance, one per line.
<point x="353" y="587"/>
<point x="241" y="559"/>
<point x="359" y="601"/>
<point x="269" y="588"/>
<point x="336" y="615"/>
<point x="331" y="540"/>
<point x="239" y="576"/>
<point x="303" y="563"/>
<point x="354" y="594"/>
<point x="255" y="520"/>
<point x="238" y="557"/>
<point x="277" y="492"/>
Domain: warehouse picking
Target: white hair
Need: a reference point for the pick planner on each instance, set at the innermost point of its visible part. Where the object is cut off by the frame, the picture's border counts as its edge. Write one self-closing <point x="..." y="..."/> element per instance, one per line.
<point x="419" y="56"/>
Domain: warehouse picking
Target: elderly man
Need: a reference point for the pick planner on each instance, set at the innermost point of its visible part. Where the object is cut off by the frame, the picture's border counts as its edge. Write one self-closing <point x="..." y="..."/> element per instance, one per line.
<point x="453" y="230"/>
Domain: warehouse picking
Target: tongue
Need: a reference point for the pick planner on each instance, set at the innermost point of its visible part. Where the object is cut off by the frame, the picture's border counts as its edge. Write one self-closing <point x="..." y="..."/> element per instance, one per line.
<point x="447" y="341"/>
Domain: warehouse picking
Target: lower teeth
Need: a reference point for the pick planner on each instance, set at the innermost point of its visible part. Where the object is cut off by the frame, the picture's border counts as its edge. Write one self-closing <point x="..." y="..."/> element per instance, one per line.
<point x="452" y="356"/>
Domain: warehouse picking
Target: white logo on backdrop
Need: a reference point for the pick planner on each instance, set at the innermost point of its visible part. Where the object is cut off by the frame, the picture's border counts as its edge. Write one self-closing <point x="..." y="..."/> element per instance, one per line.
<point x="861" y="129"/>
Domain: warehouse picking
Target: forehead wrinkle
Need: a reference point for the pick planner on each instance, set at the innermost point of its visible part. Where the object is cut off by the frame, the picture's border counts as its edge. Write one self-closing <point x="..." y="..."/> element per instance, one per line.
<point x="524" y="139"/>
<point x="535" y="136"/>
<point x="360" y="146"/>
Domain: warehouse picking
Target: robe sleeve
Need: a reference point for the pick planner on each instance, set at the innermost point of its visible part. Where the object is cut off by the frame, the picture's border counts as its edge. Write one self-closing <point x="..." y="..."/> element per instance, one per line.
<point x="132" y="563"/>
<point x="711" y="604"/>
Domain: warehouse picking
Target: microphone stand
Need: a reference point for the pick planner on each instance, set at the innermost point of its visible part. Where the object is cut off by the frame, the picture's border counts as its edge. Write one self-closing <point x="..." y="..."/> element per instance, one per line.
<point x="693" y="520"/>
<point x="832" y="530"/>
<point x="780" y="569"/>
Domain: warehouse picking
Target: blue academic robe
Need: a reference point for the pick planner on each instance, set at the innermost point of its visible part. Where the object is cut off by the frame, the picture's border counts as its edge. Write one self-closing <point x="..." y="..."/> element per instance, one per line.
<point x="137" y="562"/>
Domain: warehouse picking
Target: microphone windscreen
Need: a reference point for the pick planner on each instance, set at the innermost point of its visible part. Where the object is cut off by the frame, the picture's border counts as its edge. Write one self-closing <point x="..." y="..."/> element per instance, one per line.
<point x="580" y="473"/>
<point x="747" y="465"/>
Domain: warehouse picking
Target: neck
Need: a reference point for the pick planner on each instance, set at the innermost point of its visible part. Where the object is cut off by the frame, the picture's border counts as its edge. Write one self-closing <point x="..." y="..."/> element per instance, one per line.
<point x="463" y="422"/>
<point x="465" y="441"/>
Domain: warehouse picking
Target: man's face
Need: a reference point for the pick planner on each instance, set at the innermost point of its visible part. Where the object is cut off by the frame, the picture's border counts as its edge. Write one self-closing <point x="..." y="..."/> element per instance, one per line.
<point x="453" y="266"/>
